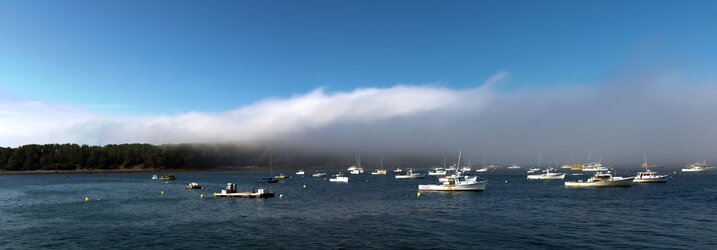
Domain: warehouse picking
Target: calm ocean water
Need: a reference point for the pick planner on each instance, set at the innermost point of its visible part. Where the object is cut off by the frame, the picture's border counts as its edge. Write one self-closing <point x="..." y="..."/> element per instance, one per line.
<point x="128" y="211"/>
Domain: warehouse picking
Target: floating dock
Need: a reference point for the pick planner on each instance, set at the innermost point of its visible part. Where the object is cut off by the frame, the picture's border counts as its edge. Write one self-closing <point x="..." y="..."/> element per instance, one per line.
<point x="244" y="195"/>
<point x="231" y="192"/>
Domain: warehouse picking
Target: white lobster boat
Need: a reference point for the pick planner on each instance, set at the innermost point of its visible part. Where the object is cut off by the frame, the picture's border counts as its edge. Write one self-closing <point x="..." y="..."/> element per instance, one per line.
<point x="547" y="176"/>
<point x="453" y="183"/>
<point x="649" y="176"/>
<point x="456" y="182"/>
<point x="339" y="178"/>
<point x="602" y="180"/>
<point x="699" y="167"/>
<point x="437" y="171"/>
<point x="409" y="175"/>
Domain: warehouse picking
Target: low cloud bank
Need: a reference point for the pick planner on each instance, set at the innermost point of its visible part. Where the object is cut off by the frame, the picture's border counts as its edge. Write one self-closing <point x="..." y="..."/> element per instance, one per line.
<point x="621" y="120"/>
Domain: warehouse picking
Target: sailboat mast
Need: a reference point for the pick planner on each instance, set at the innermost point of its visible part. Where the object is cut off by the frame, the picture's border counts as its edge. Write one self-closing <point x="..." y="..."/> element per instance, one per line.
<point x="540" y="159"/>
<point x="271" y="171"/>
<point x="459" y="159"/>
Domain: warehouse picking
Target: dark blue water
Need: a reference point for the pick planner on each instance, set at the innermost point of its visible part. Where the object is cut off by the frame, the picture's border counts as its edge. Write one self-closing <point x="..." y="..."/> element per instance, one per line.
<point x="128" y="211"/>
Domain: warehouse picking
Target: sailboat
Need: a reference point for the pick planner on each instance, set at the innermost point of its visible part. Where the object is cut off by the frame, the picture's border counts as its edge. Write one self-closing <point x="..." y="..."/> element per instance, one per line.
<point x="269" y="179"/>
<point x="649" y="176"/>
<point x="381" y="171"/>
<point x="484" y="169"/>
<point x="354" y="169"/>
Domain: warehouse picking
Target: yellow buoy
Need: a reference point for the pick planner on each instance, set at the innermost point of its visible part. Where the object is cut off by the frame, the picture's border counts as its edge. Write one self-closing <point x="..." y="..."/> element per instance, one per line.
<point x="418" y="195"/>
<point x="87" y="199"/>
<point x="162" y="192"/>
<point x="304" y="186"/>
<point x="201" y="196"/>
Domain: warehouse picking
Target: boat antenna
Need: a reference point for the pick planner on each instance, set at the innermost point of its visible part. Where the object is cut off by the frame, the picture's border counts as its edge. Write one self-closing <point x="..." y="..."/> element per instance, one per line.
<point x="444" y="162"/>
<point x="483" y="160"/>
<point x="271" y="172"/>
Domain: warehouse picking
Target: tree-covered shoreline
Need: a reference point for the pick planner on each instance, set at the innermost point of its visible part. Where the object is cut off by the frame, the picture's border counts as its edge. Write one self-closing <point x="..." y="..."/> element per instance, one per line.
<point x="127" y="156"/>
<point x="137" y="157"/>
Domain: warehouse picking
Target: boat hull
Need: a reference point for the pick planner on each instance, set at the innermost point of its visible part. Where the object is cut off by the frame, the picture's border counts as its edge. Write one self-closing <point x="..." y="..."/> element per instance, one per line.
<point x="625" y="182"/>
<point x="475" y="187"/>
<point x="661" y="179"/>
<point x="244" y="195"/>
<point x="340" y="180"/>
<point x="546" y="177"/>
<point x="409" y="176"/>
<point x="699" y="170"/>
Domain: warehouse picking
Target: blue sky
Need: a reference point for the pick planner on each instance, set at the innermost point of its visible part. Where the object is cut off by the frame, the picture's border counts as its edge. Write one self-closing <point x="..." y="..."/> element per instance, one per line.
<point x="169" y="57"/>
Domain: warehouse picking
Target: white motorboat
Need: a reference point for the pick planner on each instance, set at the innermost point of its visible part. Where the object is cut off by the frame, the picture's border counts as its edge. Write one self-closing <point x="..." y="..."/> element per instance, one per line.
<point x="194" y="185"/>
<point x="594" y="167"/>
<point x="514" y="167"/>
<point x="650" y="177"/>
<point x="154" y="177"/>
<point x="446" y="178"/>
<point x="452" y="167"/>
<point x="533" y="170"/>
<point x="398" y="170"/>
<point x="437" y="171"/>
<point x="602" y="180"/>
<point x="317" y="174"/>
<point x="699" y="167"/>
<point x="482" y="170"/>
<point x="455" y="184"/>
<point x="409" y="175"/>
<point x="300" y="172"/>
<point x="339" y="178"/>
<point x="547" y="176"/>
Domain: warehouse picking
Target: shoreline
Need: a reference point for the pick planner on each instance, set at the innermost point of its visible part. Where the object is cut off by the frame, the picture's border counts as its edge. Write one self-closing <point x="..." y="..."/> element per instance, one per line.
<point x="116" y="171"/>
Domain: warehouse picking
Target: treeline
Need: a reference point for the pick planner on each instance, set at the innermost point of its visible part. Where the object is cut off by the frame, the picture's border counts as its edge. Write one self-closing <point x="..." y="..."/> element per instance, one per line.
<point x="127" y="156"/>
<point x="190" y="156"/>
